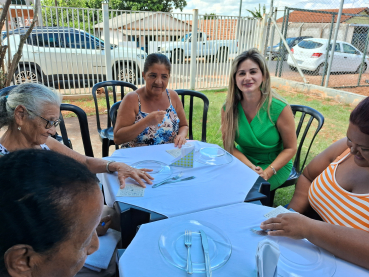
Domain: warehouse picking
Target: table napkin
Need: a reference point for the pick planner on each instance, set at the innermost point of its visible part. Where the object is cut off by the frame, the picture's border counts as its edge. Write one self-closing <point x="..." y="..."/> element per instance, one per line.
<point x="267" y="256"/>
<point x="185" y="159"/>
<point x="101" y="258"/>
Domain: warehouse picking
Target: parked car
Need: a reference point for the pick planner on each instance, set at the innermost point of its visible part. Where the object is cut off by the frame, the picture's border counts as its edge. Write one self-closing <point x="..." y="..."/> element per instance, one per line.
<point x="291" y="43"/>
<point x="177" y="51"/>
<point x="65" y="55"/>
<point x="310" y="54"/>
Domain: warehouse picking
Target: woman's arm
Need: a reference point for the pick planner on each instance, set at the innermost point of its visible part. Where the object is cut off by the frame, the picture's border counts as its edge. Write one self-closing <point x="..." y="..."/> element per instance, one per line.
<point x="99" y="165"/>
<point x="180" y="139"/>
<point x="300" y="201"/>
<point x="346" y="243"/>
<point x="125" y="129"/>
<point x="286" y="128"/>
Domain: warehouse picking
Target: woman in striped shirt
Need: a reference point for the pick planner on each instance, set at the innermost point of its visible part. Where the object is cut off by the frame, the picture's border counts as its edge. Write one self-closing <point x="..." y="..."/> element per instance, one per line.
<point x="336" y="185"/>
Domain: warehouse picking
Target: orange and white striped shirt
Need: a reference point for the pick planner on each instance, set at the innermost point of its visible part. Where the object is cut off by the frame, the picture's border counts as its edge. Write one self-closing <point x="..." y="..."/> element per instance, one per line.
<point x="336" y="205"/>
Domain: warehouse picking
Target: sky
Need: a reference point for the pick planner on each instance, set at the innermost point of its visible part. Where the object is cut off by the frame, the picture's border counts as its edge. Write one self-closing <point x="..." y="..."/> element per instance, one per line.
<point x="231" y="7"/>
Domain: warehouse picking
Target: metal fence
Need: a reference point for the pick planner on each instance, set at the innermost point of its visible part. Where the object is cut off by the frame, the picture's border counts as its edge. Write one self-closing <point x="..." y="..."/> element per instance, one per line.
<point x="71" y="49"/>
<point x="310" y="35"/>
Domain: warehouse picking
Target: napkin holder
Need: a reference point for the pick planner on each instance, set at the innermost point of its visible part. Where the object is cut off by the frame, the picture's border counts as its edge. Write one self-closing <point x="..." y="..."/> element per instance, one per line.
<point x="186" y="157"/>
<point x="267" y="256"/>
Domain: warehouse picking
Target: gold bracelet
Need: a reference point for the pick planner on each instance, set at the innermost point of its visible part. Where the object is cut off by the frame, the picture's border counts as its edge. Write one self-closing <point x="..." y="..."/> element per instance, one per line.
<point x="274" y="171"/>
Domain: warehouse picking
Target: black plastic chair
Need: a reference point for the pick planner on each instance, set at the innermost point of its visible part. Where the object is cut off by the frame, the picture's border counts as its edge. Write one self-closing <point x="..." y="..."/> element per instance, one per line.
<point x="299" y="161"/>
<point x="113" y="112"/>
<point x="107" y="135"/>
<point x="83" y="125"/>
<point x="185" y="92"/>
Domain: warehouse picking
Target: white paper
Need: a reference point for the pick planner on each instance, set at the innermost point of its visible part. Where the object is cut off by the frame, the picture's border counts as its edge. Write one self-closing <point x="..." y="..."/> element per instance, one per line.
<point x="277" y="211"/>
<point x="184" y="151"/>
<point x="131" y="190"/>
<point x="174" y="152"/>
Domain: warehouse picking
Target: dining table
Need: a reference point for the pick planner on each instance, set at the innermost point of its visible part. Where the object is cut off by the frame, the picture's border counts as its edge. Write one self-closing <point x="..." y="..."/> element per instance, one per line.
<point x="150" y="252"/>
<point x="213" y="186"/>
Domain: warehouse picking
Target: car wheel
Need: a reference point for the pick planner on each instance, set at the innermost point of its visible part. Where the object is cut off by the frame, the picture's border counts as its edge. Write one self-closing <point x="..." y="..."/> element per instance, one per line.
<point x="292" y="68"/>
<point x="317" y="70"/>
<point x="365" y="66"/>
<point x="222" y="55"/>
<point x="127" y="73"/>
<point x="177" y="56"/>
<point x="26" y="75"/>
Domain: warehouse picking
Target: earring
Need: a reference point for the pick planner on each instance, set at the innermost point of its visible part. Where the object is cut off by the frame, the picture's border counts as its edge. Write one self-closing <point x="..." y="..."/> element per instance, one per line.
<point x="19" y="128"/>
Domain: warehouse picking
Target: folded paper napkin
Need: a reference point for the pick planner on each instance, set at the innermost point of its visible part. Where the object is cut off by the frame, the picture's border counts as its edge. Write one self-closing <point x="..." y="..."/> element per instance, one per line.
<point x="185" y="159"/>
<point x="267" y="256"/>
<point x="101" y="258"/>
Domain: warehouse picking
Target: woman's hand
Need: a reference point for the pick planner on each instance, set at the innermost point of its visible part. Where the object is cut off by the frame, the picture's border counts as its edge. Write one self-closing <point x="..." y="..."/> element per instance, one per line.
<point x="262" y="173"/>
<point x="155" y="118"/>
<point x="103" y="227"/>
<point x="292" y="225"/>
<point x="179" y="140"/>
<point x="125" y="171"/>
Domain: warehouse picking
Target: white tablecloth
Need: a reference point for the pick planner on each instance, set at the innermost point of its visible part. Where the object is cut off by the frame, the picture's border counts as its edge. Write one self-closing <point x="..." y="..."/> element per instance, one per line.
<point x="143" y="258"/>
<point x="214" y="186"/>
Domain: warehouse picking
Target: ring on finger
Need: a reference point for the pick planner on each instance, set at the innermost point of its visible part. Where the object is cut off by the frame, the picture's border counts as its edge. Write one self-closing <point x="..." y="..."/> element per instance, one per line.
<point x="143" y="172"/>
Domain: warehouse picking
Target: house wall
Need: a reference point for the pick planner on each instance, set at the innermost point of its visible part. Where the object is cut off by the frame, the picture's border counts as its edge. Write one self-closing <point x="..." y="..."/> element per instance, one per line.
<point x="359" y="20"/>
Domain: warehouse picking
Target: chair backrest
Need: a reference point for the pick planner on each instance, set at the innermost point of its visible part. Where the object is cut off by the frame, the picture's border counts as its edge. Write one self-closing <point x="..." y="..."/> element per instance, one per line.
<point x="314" y="114"/>
<point x="185" y="92"/>
<point x="105" y="85"/>
<point x="5" y="91"/>
<point x="113" y="112"/>
<point x="83" y="125"/>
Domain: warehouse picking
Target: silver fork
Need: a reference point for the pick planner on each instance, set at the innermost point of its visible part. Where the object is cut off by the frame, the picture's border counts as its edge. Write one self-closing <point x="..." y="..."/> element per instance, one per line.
<point x="188" y="243"/>
<point x="168" y="179"/>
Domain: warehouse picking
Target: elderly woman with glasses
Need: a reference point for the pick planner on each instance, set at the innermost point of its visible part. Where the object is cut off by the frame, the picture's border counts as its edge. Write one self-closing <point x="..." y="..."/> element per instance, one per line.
<point x="31" y="113"/>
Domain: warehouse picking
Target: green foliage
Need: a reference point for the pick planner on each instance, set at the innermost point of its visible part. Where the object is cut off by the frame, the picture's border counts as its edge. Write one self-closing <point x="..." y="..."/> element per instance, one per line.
<point x="75" y="18"/>
<point x="138" y="5"/>
<point x="258" y="13"/>
<point x="210" y="16"/>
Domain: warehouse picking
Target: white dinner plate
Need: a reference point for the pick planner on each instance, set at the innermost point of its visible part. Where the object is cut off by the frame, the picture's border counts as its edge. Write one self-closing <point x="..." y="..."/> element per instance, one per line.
<point x="212" y="156"/>
<point x="302" y="258"/>
<point x="161" y="171"/>
<point x="173" y="249"/>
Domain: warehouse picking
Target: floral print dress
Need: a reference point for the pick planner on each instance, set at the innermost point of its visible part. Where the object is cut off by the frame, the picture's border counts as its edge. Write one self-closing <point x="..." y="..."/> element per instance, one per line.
<point x="165" y="132"/>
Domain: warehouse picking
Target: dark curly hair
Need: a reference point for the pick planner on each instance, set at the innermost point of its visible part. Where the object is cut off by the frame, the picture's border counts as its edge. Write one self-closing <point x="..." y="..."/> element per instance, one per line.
<point x="360" y="116"/>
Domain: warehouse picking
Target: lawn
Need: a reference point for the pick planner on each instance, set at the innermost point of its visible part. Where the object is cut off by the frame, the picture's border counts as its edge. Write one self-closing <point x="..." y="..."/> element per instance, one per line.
<point x="336" y="121"/>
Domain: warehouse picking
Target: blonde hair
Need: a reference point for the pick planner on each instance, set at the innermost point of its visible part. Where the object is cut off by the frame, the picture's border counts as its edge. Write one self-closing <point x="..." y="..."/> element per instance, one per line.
<point x="234" y="96"/>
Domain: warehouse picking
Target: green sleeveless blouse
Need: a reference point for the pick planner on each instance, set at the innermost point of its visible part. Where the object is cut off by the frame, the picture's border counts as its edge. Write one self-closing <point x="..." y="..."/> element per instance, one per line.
<point x="260" y="140"/>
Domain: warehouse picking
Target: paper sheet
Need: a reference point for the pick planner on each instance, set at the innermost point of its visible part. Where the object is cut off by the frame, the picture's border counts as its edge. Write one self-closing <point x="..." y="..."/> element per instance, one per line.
<point x="131" y="190"/>
<point x="174" y="152"/>
<point x="277" y="211"/>
<point x="185" y="159"/>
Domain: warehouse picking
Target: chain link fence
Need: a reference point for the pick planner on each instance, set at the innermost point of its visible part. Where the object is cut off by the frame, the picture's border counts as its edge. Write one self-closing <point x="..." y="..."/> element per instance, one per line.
<point x="309" y="34"/>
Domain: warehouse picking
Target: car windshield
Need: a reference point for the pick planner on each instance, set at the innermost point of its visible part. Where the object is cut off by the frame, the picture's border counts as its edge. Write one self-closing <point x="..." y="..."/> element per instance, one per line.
<point x="288" y="40"/>
<point x="185" y="37"/>
<point x="309" y="44"/>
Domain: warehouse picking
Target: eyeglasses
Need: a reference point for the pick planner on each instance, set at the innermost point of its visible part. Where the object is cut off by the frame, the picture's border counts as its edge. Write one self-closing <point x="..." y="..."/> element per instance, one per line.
<point x="49" y="123"/>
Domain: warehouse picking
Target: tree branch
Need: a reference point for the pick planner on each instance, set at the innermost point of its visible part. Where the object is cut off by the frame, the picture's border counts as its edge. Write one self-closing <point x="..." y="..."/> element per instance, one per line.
<point x="4" y="13"/>
<point x="17" y="56"/>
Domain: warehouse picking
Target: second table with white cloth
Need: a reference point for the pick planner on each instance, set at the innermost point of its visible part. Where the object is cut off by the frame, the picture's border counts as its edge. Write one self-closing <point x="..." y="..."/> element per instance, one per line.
<point x="145" y="255"/>
<point x="213" y="186"/>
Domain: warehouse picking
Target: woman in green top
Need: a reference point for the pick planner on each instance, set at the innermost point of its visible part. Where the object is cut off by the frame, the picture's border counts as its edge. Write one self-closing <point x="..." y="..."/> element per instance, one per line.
<point x="258" y="120"/>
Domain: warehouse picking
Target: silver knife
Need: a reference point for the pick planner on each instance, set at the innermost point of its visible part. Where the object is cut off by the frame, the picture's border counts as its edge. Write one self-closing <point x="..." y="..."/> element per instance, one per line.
<point x="205" y="247"/>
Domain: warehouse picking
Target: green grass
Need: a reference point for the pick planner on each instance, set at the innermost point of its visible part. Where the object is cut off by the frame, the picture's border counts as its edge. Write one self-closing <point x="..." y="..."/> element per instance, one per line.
<point x="336" y="121"/>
